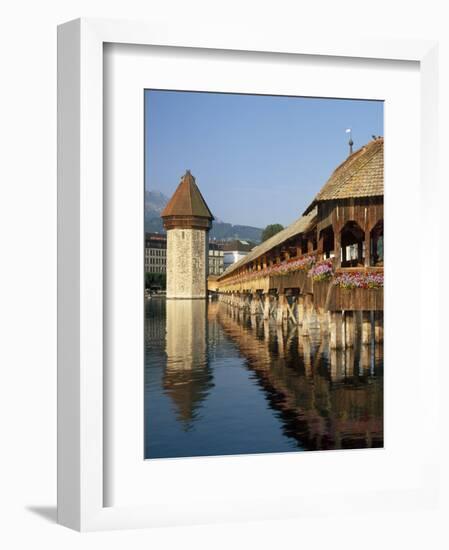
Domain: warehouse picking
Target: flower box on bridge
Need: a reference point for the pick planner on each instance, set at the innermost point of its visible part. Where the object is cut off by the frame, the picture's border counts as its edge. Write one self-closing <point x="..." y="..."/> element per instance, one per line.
<point x="295" y="280"/>
<point x="354" y="299"/>
<point x="320" y="292"/>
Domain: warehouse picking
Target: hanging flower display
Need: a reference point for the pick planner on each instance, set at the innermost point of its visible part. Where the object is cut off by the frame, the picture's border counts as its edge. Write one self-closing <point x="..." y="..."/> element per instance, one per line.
<point x="322" y="271"/>
<point x="300" y="264"/>
<point x="360" y="279"/>
<point x="304" y="263"/>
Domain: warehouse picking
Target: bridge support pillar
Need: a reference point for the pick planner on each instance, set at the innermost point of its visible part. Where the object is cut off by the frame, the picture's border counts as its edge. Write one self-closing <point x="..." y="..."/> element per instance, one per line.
<point x="378" y="327"/>
<point x="280" y="340"/>
<point x="300" y="309"/>
<point x="291" y="301"/>
<point x="307" y="315"/>
<point x="357" y="325"/>
<point x="365" y="359"/>
<point x="349" y="361"/>
<point x="336" y="330"/>
<point x="323" y="320"/>
<point x="337" y="364"/>
<point x="366" y="327"/>
<point x="266" y="306"/>
<point x="349" y="329"/>
<point x="266" y="330"/>
<point x="238" y="301"/>
<point x="254" y="304"/>
<point x="281" y="308"/>
<point x="307" y="355"/>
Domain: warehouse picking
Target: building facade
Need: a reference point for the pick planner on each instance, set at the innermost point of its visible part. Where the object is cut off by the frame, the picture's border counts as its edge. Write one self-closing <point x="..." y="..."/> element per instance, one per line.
<point x="233" y="251"/>
<point x="155" y="253"/>
<point x="216" y="259"/>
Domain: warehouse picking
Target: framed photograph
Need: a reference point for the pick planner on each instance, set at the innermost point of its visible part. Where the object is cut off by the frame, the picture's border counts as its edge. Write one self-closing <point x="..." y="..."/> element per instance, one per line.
<point x="261" y="336"/>
<point x="237" y="339"/>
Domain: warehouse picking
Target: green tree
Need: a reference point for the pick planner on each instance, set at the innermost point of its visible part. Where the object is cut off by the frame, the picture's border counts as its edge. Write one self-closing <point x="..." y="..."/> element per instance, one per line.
<point x="155" y="281"/>
<point x="271" y="230"/>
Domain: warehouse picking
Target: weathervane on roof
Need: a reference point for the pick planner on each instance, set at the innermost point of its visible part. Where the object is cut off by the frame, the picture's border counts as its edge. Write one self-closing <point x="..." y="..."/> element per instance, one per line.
<point x="350" y="142"/>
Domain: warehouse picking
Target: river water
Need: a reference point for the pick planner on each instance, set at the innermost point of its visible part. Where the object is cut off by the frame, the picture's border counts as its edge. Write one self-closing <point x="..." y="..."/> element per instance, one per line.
<point x="218" y="382"/>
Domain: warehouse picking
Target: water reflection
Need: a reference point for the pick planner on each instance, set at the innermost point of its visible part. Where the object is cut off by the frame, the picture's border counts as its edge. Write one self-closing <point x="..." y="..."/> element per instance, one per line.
<point x="187" y="377"/>
<point x="218" y="381"/>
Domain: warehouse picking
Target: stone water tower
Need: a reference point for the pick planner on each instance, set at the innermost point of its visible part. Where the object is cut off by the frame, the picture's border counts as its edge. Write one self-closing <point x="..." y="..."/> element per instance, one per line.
<point x="187" y="220"/>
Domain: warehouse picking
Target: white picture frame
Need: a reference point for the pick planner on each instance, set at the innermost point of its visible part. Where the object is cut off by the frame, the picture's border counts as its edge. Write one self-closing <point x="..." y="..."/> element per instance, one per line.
<point x="81" y="407"/>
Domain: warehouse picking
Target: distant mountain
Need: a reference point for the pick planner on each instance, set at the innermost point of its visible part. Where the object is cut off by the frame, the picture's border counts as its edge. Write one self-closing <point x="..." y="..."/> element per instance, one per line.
<point x="227" y="232"/>
<point x="155" y="202"/>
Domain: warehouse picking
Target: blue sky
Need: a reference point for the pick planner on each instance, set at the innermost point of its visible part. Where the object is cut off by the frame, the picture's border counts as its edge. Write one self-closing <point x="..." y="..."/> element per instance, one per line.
<point x="257" y="159"/>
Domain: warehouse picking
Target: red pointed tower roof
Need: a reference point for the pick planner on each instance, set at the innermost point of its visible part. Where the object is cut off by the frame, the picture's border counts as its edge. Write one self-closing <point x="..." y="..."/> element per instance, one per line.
<point x="187" y="207"/>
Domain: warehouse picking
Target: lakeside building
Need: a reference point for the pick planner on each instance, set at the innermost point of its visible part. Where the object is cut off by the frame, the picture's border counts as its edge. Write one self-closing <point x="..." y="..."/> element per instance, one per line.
<point x="155" y="253"/>
<point x="216" y="259"/>
<point x="235" y="250"/>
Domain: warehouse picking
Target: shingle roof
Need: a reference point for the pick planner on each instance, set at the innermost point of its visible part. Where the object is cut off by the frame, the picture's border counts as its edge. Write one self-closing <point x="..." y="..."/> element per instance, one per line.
<point x="187" y="200"/>
<point x="301" y="225"/>
<point x="360" y="175"/>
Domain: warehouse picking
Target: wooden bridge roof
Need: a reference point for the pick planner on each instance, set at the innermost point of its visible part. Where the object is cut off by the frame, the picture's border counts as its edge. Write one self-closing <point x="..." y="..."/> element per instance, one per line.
<point x="187" y="200"/>
<point x="360" y="175"/>
<point x="301" y="225"/>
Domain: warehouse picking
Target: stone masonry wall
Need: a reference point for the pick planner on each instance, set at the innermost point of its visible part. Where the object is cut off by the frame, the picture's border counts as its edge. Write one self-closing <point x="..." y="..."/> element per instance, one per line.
<point x="186" y="263"/>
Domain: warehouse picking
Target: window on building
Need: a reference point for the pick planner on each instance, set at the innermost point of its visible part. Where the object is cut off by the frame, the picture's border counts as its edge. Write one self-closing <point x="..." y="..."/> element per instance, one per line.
<point x="352" y="245"/>
<point x="328" y="239"/>
<point x="377" y="244"/>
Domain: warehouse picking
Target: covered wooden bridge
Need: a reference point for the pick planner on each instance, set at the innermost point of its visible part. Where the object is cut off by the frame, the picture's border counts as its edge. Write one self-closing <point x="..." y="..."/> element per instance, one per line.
<point x="326" y="268"/>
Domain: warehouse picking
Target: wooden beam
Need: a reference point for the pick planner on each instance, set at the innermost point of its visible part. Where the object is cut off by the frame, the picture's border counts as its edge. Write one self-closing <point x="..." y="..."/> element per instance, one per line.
<point x="337" y="241"/>
<point x="366" y="327"/>
<point x="336" y="332"/>
<point x="291" y="311"/>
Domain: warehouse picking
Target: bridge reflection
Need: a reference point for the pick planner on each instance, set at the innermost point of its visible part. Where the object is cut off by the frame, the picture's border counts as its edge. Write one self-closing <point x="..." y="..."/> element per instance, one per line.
<point x="328" y="399"/>
<point x="219" y="381"/>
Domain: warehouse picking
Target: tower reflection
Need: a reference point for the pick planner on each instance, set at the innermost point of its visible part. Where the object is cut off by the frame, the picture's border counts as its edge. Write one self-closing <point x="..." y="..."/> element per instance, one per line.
<point x="220" y="381"/>
<point x="187" y="378"/>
